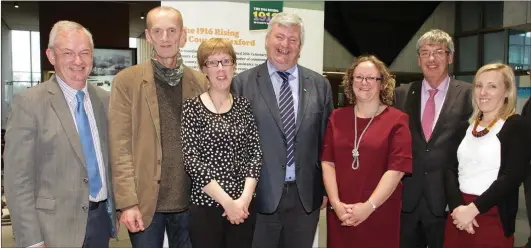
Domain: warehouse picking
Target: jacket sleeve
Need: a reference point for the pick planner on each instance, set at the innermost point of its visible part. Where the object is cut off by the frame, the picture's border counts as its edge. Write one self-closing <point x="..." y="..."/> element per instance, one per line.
<point x="20" y="172"/>
<point x="120" y="143"/>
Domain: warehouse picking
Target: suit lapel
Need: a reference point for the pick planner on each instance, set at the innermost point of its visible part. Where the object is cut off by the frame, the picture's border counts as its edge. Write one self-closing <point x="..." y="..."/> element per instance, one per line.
<point x="62" y="111"/>
<point x="150" y="90"/>
<point x="453" y="92"/>
<point x="101" y="120"/>
<point x="305" y="91"/>
<point x="268" y="94"/>
<point x="413" y="105"/>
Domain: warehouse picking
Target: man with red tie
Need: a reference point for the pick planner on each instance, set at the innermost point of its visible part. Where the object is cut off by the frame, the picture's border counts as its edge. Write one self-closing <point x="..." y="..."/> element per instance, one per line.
<point x="435" y="106"/>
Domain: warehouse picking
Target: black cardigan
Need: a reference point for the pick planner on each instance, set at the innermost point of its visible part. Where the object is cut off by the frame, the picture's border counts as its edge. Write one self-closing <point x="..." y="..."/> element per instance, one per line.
<point x="515" y="140"/>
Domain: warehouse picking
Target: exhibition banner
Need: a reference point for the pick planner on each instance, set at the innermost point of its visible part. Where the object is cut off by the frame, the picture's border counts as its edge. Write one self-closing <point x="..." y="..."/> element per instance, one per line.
<point x="261" y="12"/>
<point x="230" y="20"/>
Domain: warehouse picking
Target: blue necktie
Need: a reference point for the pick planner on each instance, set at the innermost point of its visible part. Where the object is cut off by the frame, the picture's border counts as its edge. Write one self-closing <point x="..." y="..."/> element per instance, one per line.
<point x="85" y="135"/>
<point x="287" y="115"/>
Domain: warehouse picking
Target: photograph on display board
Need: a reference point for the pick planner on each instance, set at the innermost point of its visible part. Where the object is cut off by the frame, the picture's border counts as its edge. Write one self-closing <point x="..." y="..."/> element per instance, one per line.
<point x="108" y="62"/>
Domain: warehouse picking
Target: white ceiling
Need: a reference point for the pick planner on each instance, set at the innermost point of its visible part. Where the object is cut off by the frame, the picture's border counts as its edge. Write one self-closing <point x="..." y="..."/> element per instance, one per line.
<point x="26" y="17"/>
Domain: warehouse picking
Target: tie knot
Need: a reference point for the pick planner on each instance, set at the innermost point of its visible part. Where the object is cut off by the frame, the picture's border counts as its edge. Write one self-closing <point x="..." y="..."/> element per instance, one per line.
<point x="433" y="92"/>
<point x="80" y="96"/>
<point x="284" y="75"/>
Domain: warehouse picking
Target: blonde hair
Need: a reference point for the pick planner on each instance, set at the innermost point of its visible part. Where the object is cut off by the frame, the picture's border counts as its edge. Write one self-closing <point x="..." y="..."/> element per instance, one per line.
<point x="213" y="46"/>
<point x="67" y="26"/>
<point x="509" y="106"/>
<point x="436" y="36"/>
<point x="387" y="82"/>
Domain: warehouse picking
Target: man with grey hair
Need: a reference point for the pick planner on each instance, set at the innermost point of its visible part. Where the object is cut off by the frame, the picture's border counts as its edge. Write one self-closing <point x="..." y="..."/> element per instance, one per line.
<point x="152" y="188"/>
<point x="58" y="181"/>
<point x="292" y="105"/>
<point x="435" y="105"/>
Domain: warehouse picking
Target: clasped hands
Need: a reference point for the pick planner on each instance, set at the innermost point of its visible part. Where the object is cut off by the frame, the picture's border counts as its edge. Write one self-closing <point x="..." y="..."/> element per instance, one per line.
<point x="464" y="217"/>
<point x="352" y="214"/>
<point x="237" y="210"/>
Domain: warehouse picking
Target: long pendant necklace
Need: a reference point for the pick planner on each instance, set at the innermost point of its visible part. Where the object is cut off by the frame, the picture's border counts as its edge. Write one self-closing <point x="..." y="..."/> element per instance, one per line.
<point x="225" y="124"/>
<point x="355" y="151"/>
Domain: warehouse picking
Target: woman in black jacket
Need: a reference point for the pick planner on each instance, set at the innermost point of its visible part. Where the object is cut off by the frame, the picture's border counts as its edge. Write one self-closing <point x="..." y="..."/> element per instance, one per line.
<point x="491" y="163"/>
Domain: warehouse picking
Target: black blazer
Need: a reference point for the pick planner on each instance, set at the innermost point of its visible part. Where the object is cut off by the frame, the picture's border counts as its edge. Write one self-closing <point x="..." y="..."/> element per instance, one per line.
<point x="515" y="140"/>
<point x="315" y="106"/>
<point x="431" y="159"/>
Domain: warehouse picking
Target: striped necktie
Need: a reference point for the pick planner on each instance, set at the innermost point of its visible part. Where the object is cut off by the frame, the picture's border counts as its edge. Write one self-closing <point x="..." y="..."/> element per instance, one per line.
<point x="287" y="115"/>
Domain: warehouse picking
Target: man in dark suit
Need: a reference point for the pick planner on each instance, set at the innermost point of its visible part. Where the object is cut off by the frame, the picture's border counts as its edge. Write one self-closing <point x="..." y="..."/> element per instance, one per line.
<point x="58" y="178"/>
<point x="435" y="106"/>
<point x="291" y="104"/>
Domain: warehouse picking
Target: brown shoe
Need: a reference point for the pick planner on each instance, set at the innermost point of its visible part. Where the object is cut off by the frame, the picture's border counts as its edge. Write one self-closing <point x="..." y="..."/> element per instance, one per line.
<point x="525" y="246"/>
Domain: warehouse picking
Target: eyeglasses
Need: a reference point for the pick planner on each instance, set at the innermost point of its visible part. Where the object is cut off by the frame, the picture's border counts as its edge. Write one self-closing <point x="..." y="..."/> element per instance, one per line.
<point x="436" y="54"/>
<point x="359" y="79"/>
<point x="215" y="63"/>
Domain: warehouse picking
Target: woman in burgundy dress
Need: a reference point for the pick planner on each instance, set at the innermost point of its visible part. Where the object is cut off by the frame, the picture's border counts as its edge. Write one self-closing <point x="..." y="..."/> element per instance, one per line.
<point x="363" y="160"/>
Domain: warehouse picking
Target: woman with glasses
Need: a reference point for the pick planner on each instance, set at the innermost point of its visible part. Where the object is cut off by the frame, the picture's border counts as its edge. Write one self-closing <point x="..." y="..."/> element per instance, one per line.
<point x="492" y="160"/>
<point x="367" y="150"/>
<point x="222" y="154"/>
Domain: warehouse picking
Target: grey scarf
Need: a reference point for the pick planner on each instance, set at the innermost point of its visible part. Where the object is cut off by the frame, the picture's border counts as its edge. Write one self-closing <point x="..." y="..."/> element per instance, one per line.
<point x="171" y="76"/>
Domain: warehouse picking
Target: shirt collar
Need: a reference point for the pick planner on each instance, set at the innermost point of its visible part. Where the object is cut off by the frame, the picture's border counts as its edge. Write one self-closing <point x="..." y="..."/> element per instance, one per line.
<point x="68" y="91"/>
<point x="443" y="87"/>
<point x="272" y="70"/>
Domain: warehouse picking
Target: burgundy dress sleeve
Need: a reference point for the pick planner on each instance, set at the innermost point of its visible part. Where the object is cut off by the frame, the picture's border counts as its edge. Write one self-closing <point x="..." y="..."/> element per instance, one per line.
<point x="328" y="144"/>
<point x="400" y="155"/>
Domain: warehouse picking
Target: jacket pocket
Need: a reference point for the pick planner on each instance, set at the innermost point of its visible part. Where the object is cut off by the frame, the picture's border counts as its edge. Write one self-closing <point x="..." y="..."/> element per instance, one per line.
<point x="45" y="203"/>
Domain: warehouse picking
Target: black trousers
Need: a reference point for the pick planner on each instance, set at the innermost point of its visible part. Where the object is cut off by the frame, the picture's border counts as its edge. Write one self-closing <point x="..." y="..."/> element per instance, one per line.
<point x="289" y="227"/>
<point x="527" y="191"/>
<point x="208" y="229"/>
<point x="421" y="228"/>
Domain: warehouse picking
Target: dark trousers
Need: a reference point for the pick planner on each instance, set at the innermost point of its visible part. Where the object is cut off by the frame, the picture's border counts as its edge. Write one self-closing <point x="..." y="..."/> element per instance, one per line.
<point x="208" y="229"/>
<point x="289" y="226"/>
<point x="421" y="228"/>
<point x="175" y="225"/>
<point x="527" y="190"/>
<point x="99" y="227"/>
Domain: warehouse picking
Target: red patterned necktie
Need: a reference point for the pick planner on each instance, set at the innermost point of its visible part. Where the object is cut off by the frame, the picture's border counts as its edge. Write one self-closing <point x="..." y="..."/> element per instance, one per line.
<point x="429" y="114"/>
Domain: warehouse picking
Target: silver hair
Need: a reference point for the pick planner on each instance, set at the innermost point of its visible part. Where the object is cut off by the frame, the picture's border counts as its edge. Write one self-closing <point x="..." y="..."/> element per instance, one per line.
<point x="67" y="26"/>
<point x="436" y="36"/>
<point x="287" y="20"/>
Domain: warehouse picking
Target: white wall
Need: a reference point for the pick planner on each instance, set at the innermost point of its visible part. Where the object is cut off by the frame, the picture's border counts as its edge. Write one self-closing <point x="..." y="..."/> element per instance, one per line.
<point x="442" y="18"/>
<point x="335" y="55"/>
<point x="7" y="68"/>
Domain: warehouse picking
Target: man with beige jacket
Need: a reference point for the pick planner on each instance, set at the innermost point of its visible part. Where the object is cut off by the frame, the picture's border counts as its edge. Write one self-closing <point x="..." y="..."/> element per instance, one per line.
<point x="152" y="190"/>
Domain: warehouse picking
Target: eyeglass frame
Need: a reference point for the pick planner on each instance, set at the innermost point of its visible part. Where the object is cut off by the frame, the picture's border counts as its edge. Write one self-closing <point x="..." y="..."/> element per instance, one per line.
<point x="435" y="53"/>
<point x="373" y="79"/>
<point x="218" y="62"/>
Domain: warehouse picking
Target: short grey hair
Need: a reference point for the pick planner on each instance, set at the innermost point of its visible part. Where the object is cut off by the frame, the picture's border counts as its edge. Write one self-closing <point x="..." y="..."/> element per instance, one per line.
<point x="67" y="26"/>
<point x="436" y="36"/>
<point x="287" y="20"/>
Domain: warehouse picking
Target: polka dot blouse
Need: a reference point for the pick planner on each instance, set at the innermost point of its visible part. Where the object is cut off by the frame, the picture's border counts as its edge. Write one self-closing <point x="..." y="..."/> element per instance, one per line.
<point x="223" y="147"/>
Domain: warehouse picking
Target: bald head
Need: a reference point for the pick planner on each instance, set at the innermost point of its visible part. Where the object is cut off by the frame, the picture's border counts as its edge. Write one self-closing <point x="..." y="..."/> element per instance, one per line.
<point x="162" y="11"/>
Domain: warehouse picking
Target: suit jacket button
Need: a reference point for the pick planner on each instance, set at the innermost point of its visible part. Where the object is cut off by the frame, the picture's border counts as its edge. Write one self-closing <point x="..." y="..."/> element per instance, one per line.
<point x="283" y="165"/>
<point x="158" y="162"/>
<point x="158" y="181"/>
<point x="85" y="180"/>
<point x="425" y="173"/>
<point x="427" y="150"/>
<point x="85" y="208"/>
